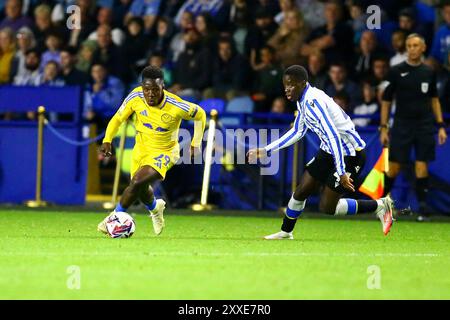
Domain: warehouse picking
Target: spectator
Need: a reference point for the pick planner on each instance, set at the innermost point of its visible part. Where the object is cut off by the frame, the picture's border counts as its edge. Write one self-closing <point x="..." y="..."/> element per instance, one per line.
<point x="25" y="41"/>
<point x="258" y="35"/>
<point x="368" y="50"/>
<point x="14" y="18"/>
<point x="135" y="45"/>
<point x="86" y="56"/>
<point x="240" y="21"/>
<point x="104" y="17"/>
<point x="190" y="75"/>
<point x="380" y="68"/>
<point x="216" y="8"/>
<point x="53" y="43"/>
<point x="43" y="25"/>
<point x="369" y="106"/>
<point x="71" y="75"/>
<point x="109" y="54"/>
<point x="441" y="40"/>
<point x="313" y="12"/>
<point x="31" y="75"/>
<point x="358" y="19"/>
<point x="406" y="20"/>
<point x="342" y="100"/>
<point x="241" y="13"/>
<point x="50" y="76"/>
<point x="121" y="8"/>
<point x="230" y="71"/>
<point x="157" y="59"/>
<point x="316" y="70"/>
<point x="7" y="53"/>
<point x="207" y="29"/>
<point x="147" y="9"/>
<point x="289" y="38"/>
<point x="268" y="80"/>
<point x="88" y="12"/>
<point x="177" y="45"/>
<point x="340" y="82"/>
<point x="164" y="33"/>
<point x="279" y="106"/>
<point x="268" y="5"/>
<point x="87" y="23"/>
<point x="334" y="39"/>
<point x="285" y="6"/>
<point x="398" y="44"/>
<point x="169" y="8"/>
<point x="103" y="96"/>
<point x="407" y="23"/>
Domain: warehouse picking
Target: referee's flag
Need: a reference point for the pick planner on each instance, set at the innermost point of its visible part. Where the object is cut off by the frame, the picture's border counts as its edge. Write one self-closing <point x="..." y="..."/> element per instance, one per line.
<point x="373" y="185"/>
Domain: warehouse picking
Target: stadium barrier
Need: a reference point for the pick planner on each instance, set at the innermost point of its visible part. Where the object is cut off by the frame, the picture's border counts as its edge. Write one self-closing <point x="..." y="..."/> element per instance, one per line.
<point x="38" y="202"/>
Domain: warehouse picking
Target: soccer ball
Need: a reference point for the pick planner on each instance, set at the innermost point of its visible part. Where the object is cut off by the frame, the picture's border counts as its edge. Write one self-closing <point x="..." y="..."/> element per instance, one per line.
<point x="120" y="225"/>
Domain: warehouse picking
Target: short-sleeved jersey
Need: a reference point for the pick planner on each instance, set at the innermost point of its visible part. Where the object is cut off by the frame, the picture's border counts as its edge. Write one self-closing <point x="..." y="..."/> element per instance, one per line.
<point x="158" y="126"/>
<point x="412" y="87"/>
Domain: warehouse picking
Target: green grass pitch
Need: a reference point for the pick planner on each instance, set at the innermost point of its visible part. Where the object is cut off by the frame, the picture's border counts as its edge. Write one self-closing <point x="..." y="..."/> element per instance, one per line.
<point x="220" y="257"/>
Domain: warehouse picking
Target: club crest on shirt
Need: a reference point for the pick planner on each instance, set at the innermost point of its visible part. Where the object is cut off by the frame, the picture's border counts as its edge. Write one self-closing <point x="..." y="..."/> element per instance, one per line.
<point x="424" y="87"/>
<point x="166" y="118"/>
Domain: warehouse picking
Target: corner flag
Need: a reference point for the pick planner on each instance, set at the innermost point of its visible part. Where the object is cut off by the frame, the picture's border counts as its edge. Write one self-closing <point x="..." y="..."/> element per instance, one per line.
<point x="373" y="185"/>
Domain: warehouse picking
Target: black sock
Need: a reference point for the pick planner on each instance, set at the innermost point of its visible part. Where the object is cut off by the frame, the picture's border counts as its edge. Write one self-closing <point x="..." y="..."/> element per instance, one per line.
<point x="367" y="206"/>
<point x="421" y="192"/>
<point x="388" y="182"/>
<point x="288" y="224"/>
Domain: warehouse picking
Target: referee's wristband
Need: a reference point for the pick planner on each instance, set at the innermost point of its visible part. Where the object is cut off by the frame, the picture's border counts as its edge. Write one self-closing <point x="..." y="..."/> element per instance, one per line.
<point x="383" y="126"/>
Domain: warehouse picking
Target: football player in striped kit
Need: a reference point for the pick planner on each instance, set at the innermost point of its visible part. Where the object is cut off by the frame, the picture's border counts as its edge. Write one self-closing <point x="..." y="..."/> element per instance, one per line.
<point x="336" y="165"/>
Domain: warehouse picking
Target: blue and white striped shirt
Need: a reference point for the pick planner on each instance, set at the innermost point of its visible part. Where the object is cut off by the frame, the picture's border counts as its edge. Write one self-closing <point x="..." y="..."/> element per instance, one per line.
<point x="320" y="114"/>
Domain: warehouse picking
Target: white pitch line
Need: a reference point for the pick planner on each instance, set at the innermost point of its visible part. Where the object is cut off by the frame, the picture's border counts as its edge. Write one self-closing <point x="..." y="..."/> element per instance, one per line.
<point x="225" y="254"/>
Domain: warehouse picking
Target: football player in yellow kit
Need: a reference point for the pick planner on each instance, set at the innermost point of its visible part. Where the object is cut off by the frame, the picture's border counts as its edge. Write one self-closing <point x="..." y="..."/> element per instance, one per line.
<point x="158" y="115"/>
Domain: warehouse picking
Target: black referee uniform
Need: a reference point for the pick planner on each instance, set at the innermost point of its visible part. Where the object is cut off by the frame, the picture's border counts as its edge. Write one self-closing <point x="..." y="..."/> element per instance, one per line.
<point x="413" y="128"/>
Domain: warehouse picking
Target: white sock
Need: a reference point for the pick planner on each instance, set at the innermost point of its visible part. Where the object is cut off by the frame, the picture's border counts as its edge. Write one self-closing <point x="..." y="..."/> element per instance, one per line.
<point x="295" y="208"/>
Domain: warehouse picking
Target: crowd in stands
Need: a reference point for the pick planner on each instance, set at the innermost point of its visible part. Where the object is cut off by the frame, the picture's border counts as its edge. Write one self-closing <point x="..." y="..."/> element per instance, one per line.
<point x="218" y="48"/>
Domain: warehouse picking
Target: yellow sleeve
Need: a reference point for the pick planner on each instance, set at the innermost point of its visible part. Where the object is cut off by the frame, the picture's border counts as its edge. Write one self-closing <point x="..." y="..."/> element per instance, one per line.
<point x="197" y="114"/>
<point x="121" y="115"/>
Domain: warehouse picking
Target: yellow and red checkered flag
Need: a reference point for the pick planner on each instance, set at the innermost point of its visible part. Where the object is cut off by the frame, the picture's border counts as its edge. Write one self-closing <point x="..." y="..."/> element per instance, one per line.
<point x="373" y="185"/>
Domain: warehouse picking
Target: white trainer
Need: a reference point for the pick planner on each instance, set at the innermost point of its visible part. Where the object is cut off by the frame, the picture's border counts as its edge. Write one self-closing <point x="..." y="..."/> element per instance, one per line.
<point x="102" y="225"/>
<point x="282" y="235"/>
<point x="385" y="214"/>
<point x="157" y="216"/>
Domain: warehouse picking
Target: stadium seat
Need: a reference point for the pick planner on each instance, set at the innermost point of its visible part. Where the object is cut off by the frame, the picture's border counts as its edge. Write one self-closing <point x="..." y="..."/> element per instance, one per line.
<point x="240" y="105"/>
<point x="213" y="103"/>
<point x="190" y="99"/>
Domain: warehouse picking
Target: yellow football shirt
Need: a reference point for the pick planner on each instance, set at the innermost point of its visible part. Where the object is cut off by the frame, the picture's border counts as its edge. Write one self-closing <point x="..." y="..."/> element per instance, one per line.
<point x="157" y="128"/>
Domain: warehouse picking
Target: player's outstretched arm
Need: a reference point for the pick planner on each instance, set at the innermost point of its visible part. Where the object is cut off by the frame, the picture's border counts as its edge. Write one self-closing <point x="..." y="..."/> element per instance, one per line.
<point x="297" y="132"/>
<point x="113" y="126"/>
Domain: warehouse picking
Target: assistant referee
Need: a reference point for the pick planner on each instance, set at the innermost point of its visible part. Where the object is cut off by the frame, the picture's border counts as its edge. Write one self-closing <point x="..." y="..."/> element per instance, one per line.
<point x="413" y="86"/>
